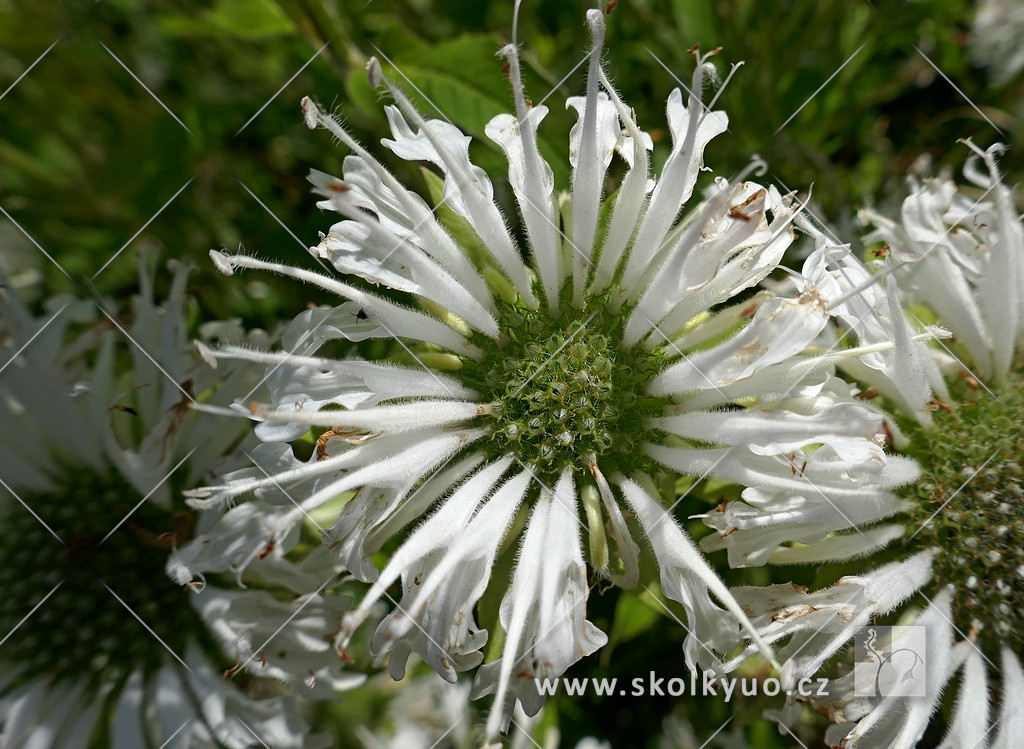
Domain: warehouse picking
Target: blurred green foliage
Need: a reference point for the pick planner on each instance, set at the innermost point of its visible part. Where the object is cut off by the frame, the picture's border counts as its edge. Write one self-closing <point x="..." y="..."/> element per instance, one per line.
<point x="90" y="162"/>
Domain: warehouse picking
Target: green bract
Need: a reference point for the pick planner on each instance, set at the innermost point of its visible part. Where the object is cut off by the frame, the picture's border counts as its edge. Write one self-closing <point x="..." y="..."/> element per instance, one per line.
<point x="974" y="461"/>
<point x="86" y="629"/>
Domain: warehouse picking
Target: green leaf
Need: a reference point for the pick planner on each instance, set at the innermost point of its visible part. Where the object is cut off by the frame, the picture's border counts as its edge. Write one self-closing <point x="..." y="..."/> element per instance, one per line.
<point x="245" y="19"/>
<point x="461" y="80"/>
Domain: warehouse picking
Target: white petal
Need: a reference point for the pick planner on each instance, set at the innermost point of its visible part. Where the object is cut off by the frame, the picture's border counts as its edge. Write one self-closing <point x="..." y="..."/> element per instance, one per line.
<point x="533" y="185"/>
<point x="365" y="248"/>
<point x="632" y="193"/>
<point x="129" y="718"/>
<point x="970" y="719"/>
<point x="373" y="515"/>
<point x="1011" y="714"/>
<point x="691" y="132"/>
<point x="438" y="530"/>
<point x="436" y="613"/>
<point x="467" y="189"/>
<point x="779" y="329"/>
<point x="402" y="209"/>
<point x="395" y="319"/>
<point x="544" y="611"/>
<point x="686" y="577"/>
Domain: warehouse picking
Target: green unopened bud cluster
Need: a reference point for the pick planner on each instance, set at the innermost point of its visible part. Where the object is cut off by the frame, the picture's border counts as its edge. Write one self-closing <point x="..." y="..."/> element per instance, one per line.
<point x="81" y="629"/>
<point x="564" y="390"/>
<point x="979" y="535"/>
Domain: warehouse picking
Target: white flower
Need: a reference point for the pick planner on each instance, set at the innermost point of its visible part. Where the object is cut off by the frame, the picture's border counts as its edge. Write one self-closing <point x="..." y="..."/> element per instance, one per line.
<point x="964" y="258"/>
<point x="899" y="722"/>
<point x="97" y="645"/>
<point x="425" y="711"/>
<point x="538" y="400"/>
<point x="819" y="623"/>
<point x="820" y="483"/>
<point x="995" y="39"/>
<point x="961" y="557"/>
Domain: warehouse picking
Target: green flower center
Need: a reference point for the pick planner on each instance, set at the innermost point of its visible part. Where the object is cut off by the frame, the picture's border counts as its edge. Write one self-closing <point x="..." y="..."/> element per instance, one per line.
<point x="81" y="629"/>
<point x="565" y="390"/>
<point x="974" y="460"/>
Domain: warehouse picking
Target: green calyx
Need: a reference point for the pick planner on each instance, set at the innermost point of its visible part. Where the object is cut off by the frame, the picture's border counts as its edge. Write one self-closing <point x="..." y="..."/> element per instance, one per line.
<point x="81" y="630"/>
<point x="564" y="390"/>
<point x="976" y="452"/>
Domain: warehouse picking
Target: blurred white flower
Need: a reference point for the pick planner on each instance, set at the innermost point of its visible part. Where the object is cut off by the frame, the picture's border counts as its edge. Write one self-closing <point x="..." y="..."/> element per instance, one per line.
<point x="995" y="39"/>
<point x="424" y="712"/>
<point x="97" y="441"/>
